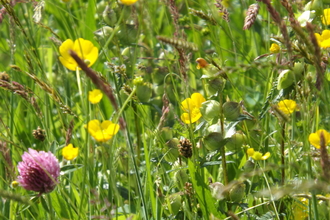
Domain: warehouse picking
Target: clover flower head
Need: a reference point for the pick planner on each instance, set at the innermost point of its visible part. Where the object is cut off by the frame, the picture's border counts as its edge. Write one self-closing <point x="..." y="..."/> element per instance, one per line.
<point x="83" y="48"/>
<point x="95" y="96"/>
<point x="315" y="138"/>
<point x="38" y="171"/>
<point x="127" y="2"/>
<point x="191" y="107"/>
<point x="274" y="48"/>
<point x="287" y="106"/>
<point x="256" y="155"/>
<point x="102" y="132"/>
<point x="326" y="16"/>
<point x="69" y="152"/>
<point x="323" y="39"/>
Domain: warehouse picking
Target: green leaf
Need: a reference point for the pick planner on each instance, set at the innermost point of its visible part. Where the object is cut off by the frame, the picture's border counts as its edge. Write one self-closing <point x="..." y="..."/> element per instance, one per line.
<point x="70" y="168"/>
<point x="59" y="206"/>
<point x="206" y="201"/>
<point x="268" y="216"/>
<point x="90" y="21"/>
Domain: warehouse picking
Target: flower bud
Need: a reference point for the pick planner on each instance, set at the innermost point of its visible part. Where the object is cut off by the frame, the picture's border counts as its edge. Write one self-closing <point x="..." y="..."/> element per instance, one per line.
<point x="298" y="69"/>
<point x="144" y="92"/>
<point x="237" y="192"/>
<point x="217" y="190"/>
<point x="158" y="75"/>
<point x="173" y="203"/>
<point x="285" y="79"/>
<point x="103" y="33"/>
<point x="236" y="141"/>
<point x="158" y="89"/>
<point x="109" y="16"/>
<point x="215" y="85"/>
<point x="317" y="5"/>
<point x="249" y="166"/>
<point x="213" y="140"/>
<point x="127" y="34"/>
<point x="126" y="51"/>
<point x="210" y="110"/>
<point x="231" y="110"/>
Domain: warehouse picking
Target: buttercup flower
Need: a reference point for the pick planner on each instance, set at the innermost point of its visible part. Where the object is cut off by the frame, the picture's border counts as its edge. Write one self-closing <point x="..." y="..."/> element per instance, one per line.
<point x="39" y="171"/>
<point x="300" y="209"/>
<point x="127" y="2"/>
<point x="326" y="16"/>
<point x="323" y="39"/>
<point x="315" y="138"/>
<point x="102" y="132"/>
<point x="95" y="96"/>
<point x="191" y="106"/>
<point x="274" y="48"/>
<point x="83" y="48"/>
<point x="287" y="106"/>
<point x="256" y="155"/>
<point x="69" y="152"/>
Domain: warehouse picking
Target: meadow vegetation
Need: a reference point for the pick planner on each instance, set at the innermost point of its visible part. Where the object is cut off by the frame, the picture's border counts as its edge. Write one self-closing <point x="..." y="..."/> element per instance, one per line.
<point x="164" y="109"/>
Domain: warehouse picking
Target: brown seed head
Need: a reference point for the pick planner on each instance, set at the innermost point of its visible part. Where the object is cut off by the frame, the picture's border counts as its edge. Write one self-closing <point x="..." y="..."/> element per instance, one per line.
<point x="39" y="134"/>
<point x="185" y="148"/>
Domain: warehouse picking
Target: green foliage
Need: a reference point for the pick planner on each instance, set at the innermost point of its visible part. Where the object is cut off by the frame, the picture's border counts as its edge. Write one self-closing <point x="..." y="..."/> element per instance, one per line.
<point x="156" y="166"/>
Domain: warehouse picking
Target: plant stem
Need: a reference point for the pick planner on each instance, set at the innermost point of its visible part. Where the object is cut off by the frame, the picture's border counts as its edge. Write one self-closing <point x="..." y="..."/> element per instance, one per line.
<point x="222" y="150"/>
<point x="282" y="154"/>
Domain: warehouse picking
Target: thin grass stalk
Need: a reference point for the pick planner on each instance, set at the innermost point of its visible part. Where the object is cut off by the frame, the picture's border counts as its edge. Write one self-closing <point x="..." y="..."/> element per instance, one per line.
<point x="283" y="154"/>
<point x="137" y="132"/>
<point x="136" y="170"/>
<point x="223" y="150"/>
<point x="150" y="182"/>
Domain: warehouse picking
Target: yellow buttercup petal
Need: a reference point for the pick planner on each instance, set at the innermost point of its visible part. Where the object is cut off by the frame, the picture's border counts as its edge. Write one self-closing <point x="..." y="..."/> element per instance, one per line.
<point x="127" y="2"/>
<point x="326" y="16"/>
<point x="274" y="48"/>
<point x="323" y="39"/>
<point x="69" y="152"/>
<point x="287" y="106"/>
<point x="102" y="132"/>
<point x="256" y="155"/>
<point x="315" y="138"/>
<point x="198" y="99"/>
<point x="83" y="48"/>
<point x="95" y="96"/>
<point x="191" y="107"/>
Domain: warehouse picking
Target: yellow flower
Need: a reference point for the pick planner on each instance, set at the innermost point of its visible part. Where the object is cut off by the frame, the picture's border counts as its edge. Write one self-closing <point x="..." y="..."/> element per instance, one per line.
<point x="84" y="49"/>
<point x="287" y="106"/>
<point x="315" y="138"/>
<point x="323" y="39"/>
<point x="256" y="155"/>
<point x="201" y="63"/>
<point x="95" y="96"/>
<point x="274" y="48"/>
<point x="127" y="2"/>
<point x="300" y="209"/>
<point x="102" y="132"/>
<point x="14" y="184"/>
<point x="326" y="16"/>
<point x="69" y="152"/>
<point x="191" y="107"/>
